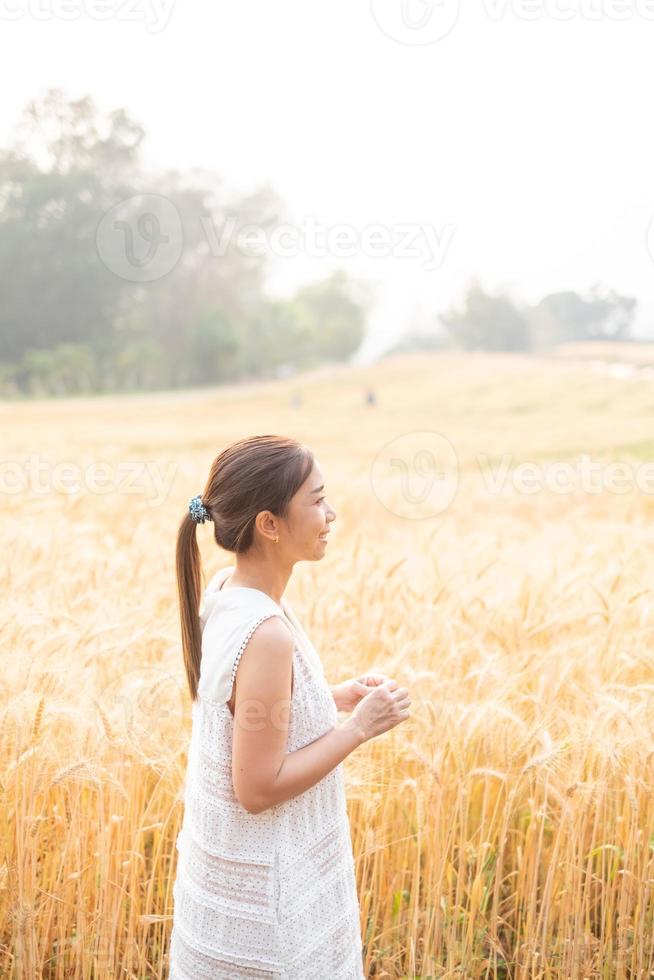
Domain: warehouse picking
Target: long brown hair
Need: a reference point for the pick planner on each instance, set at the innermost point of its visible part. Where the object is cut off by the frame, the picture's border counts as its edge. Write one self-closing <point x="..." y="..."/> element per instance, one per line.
<point x="251" y="475"/>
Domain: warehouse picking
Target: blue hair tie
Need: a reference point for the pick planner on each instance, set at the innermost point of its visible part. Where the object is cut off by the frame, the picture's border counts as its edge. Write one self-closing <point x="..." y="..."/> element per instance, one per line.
<point x="197" y="510"/>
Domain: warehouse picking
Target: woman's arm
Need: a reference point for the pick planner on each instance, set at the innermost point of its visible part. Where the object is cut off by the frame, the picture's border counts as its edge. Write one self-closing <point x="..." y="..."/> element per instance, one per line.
<point x="263" y="772"/>
<point x="303" y="768"/>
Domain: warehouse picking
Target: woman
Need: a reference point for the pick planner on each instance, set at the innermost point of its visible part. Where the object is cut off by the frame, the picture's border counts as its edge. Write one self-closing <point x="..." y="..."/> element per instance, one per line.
<point x="265" y="883"/>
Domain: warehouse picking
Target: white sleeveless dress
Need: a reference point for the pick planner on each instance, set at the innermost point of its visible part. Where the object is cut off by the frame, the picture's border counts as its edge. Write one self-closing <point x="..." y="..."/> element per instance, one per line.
<point x="271" y="894"/>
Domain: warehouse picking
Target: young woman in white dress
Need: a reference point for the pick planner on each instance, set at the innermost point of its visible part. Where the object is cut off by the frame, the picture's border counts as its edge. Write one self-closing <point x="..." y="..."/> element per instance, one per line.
<point x="265" y="884"/>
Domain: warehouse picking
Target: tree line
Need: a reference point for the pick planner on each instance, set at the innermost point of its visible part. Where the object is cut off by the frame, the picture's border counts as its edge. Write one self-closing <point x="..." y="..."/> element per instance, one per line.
<point x="117" y="279"/>
<point x="496" y="322"/>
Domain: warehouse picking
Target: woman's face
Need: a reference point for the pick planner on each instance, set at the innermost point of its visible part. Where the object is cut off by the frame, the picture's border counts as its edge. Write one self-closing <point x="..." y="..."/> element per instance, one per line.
<point x="309" y="518"/>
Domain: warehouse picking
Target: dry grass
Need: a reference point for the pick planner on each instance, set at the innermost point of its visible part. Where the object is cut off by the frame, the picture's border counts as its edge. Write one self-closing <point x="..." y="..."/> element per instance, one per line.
<point x="505" y="830"/>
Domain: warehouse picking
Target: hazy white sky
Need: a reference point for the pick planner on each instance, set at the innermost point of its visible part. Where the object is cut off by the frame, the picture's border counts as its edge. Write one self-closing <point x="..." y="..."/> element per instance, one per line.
<point x="522" y="137"/>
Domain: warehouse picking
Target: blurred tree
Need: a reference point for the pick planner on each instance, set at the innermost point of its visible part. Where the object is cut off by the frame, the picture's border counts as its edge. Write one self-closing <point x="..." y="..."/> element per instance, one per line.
<point x="54" y="289"/>
<point x="213" y="348"/>
<point x="142" y="363"/>
<point x="567" y="316"/>
<point x="215" y="280"/>
<point x="487" y="322"/>
<point x="419" y="338"/>
<point x="333" y="323"/>
<point x="321" y="322"/>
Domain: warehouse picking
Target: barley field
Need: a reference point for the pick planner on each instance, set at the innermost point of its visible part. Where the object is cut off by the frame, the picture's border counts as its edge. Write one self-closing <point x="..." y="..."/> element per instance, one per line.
<point x="507" y="828"/>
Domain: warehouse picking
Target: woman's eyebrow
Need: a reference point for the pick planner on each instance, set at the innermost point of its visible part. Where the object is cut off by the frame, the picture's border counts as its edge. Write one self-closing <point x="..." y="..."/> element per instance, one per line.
<point x="318" y="489"/>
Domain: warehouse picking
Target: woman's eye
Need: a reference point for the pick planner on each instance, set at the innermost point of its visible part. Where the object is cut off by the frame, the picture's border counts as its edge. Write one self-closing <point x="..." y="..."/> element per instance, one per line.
<point x="320" y="500"/>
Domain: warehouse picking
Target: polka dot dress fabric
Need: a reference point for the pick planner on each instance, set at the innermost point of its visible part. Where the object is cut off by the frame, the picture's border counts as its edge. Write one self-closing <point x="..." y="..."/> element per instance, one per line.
<point x="273" y="894"/>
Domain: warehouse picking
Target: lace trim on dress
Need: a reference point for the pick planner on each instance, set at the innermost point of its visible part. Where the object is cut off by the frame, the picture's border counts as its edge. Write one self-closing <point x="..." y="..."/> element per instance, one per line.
<point x="244" y="643"/>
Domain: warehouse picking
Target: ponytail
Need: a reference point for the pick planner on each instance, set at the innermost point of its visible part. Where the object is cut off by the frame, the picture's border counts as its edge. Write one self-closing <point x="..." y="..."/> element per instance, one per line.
<point x="189" y="587"/>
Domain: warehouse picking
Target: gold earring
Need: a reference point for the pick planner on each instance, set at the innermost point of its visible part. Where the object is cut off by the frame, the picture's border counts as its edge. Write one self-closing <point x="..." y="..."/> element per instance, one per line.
<point x="276" y="538"/>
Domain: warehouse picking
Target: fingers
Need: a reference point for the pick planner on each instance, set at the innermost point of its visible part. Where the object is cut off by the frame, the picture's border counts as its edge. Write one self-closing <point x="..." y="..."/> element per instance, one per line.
<point x="375" y="679"/>
<point x="364" y="680"/>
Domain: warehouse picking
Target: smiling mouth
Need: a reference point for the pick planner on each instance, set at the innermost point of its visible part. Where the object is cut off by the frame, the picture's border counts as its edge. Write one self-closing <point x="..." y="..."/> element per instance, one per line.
<point x="323" y="537"/>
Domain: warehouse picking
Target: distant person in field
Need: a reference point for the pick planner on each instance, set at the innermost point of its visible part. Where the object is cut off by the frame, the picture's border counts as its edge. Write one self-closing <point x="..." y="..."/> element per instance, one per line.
<point x="265" y="882"/>
<point x="371" y="398"/>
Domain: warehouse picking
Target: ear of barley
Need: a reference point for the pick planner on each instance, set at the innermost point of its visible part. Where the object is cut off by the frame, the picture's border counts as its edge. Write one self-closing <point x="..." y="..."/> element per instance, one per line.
<point x="106" y="724"/>
<point x="38" y="718"/>
<point x="67" y="770"/>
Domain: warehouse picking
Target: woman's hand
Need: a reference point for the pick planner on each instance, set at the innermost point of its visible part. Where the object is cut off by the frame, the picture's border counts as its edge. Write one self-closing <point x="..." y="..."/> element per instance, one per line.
<point x="348" y="694"/>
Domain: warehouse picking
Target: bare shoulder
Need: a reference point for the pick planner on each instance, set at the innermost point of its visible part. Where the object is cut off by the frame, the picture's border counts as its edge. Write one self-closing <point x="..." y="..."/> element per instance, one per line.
<point x="269" y="651"/>
<point x="272" y="634"/>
